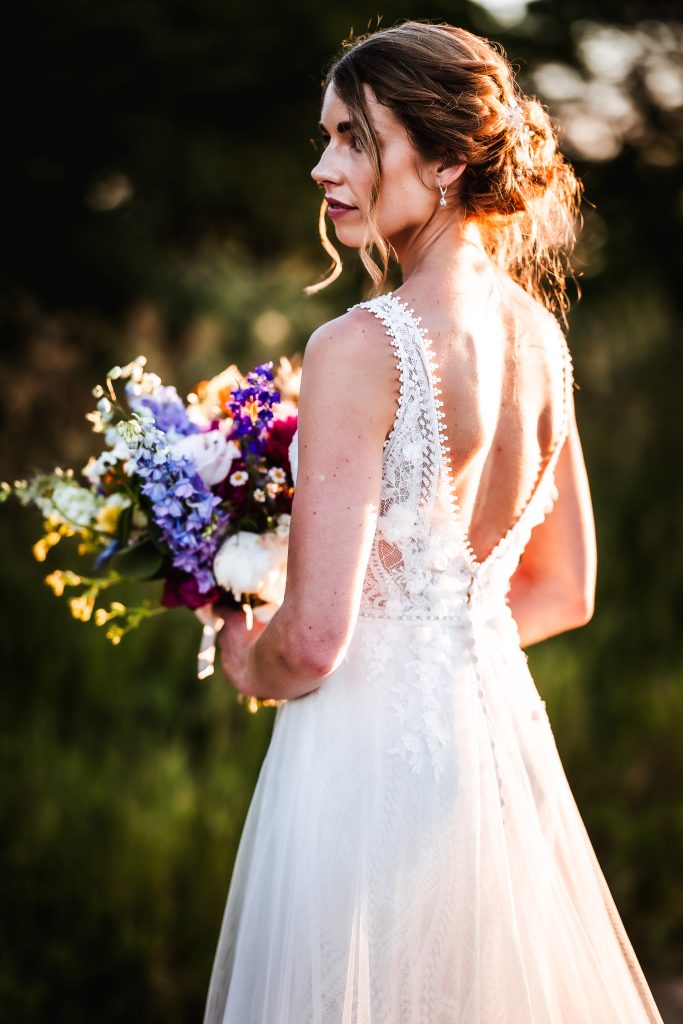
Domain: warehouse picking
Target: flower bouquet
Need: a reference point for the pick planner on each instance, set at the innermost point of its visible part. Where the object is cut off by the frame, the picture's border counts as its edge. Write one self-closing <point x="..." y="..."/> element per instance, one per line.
<point x="197" y="494"/>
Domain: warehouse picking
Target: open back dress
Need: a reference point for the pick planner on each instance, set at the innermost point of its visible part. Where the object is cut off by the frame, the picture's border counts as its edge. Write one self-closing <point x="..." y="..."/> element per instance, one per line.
<point x="413" y="853"/>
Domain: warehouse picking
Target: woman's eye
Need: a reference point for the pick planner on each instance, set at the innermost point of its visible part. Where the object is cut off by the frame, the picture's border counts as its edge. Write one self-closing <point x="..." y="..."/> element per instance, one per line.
<point x="354" y="142"/>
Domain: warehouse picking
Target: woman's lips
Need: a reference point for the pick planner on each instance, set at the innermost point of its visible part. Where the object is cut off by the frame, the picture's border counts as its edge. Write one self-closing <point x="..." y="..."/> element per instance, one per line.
<point x="337" y="209"/>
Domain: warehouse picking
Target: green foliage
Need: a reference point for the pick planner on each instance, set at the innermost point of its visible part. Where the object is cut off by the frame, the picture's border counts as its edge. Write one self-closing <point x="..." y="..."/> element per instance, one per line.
<point x="139" y="561"/>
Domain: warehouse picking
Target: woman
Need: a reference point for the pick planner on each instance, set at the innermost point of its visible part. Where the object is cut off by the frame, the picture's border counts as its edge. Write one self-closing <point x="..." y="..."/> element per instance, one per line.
<point x="413" y="853"/>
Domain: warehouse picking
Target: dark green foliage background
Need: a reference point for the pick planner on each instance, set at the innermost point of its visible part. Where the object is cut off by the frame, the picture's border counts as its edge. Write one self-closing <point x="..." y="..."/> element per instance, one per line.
<point x="125" y="781"/>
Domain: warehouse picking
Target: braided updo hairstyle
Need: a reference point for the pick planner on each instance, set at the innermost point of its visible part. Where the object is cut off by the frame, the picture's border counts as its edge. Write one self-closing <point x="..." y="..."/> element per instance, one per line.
<point x="456" y="95"/>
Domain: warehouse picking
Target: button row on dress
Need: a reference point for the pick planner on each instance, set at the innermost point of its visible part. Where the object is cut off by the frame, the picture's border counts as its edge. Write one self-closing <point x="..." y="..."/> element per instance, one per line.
<point x="470" y="643"/>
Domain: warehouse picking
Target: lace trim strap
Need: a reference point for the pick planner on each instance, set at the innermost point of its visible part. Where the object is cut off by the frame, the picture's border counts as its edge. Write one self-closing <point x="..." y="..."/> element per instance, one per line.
<point x="383" y="312"/>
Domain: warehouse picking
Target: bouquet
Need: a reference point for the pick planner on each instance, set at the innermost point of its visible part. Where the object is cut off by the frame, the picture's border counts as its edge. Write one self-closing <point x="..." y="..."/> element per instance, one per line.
<point x="195" y="493"/>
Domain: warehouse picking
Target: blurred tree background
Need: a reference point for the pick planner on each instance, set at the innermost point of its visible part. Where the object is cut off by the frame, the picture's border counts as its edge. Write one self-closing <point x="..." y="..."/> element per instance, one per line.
<point x="158" y="200"/>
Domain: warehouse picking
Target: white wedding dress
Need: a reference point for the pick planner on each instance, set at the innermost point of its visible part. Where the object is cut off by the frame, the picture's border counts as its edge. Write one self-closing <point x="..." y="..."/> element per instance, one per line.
<point x="413" y="853"/>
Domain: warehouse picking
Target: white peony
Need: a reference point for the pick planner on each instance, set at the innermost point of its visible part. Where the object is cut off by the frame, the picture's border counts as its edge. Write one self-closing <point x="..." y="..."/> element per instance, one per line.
<point x="211" y="452"/>
<point x="75" y="505"/>
<point x="253" y="563"/>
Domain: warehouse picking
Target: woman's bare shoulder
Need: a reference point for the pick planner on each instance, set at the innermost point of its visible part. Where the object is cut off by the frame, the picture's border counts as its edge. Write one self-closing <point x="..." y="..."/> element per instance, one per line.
<point x="356" y="340"/>
<point x="354" y="352"/>
<point x="357" y="327"/>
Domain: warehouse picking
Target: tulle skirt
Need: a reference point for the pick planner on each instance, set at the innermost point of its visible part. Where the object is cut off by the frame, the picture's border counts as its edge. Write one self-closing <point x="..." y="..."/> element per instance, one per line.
<point x="413" y="854"/>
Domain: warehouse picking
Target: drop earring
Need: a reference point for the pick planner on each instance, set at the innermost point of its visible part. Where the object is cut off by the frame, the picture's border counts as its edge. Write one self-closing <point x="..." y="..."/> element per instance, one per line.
<point x="442" y="189"/>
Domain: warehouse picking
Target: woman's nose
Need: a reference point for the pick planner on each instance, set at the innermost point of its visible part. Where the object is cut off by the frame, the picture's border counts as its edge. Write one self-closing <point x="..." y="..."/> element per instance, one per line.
<point x="325" y="170"/>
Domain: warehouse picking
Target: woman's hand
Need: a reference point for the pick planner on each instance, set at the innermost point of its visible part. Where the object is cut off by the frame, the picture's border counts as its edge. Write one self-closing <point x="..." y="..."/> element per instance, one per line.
<point x="234" y="639"/>
<point x="234" y="643"/>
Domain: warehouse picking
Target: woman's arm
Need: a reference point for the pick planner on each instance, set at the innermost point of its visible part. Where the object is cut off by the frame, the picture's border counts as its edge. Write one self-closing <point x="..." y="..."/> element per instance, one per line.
<point x="553" y="589"/>
<point x="348" y="400"/>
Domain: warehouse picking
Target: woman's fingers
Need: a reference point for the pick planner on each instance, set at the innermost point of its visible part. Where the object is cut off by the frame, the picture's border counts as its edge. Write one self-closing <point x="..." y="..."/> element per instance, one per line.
<point x="208" y="617"/>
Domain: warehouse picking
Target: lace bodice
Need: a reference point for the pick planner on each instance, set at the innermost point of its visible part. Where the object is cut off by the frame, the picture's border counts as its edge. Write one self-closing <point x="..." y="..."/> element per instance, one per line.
<point x="421" y="564"/>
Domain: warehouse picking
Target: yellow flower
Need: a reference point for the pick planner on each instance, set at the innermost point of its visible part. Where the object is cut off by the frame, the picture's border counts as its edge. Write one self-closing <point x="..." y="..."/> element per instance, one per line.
<point x="114" y="633"/>
<point x="102" y="616"/>
<point x="108" y="517"/>
<point x="82" y="606"/>
<point x="56" y="582"/>
<point x="41" y="547"/>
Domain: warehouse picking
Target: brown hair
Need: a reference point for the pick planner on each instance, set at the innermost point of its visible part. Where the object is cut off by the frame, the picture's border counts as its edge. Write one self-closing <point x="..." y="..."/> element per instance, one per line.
<point x="456" y="95"/>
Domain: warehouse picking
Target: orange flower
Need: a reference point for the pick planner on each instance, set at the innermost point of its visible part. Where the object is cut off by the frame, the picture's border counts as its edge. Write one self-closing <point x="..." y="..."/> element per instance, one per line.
<point x="224" y="398"/>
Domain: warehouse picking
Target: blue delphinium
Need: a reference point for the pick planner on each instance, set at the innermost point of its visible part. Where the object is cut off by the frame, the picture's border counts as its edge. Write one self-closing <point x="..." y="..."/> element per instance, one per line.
<point x="183" y="507"/>
<point x="164" y="406"/>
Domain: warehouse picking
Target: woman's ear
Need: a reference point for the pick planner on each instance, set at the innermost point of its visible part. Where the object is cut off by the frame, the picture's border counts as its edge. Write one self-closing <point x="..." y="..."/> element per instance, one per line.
<point x="449" y="173"/>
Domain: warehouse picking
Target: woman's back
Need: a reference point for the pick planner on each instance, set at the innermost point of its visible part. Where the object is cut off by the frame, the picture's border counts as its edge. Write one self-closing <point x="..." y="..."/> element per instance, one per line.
<point x="502" y="364"/>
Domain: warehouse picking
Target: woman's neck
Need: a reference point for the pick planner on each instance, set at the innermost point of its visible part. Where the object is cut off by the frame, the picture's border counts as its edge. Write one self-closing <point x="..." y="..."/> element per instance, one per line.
<point x="440" y="251"/>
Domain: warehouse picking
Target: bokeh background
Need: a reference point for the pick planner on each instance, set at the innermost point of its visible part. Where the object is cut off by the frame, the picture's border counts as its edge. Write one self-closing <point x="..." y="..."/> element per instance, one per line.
<point x="157" y="199"/>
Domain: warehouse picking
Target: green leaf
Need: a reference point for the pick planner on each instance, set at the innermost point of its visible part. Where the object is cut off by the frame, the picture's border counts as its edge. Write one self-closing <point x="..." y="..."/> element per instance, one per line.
<point x="124" y="525"/>
<point x="156" y="535"/>
<point x="139" y="561"/>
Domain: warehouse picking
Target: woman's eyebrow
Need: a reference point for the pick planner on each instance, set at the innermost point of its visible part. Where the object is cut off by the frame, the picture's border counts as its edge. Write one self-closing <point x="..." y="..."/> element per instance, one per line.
<point x="343" y="126"/>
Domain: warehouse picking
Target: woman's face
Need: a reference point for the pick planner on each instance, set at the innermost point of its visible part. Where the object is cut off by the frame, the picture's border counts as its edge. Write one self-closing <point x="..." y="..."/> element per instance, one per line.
<point x="405" y="204"/>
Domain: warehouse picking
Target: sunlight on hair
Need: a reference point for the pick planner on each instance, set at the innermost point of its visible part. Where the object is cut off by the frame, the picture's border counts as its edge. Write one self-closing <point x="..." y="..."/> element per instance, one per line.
<point x="336" y="268"/>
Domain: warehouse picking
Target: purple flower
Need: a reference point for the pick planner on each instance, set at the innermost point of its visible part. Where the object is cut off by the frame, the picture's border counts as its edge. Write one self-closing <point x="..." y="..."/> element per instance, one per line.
<point x="251" y="408"/>
<point x="186" y="512"/>
<point x="165" y="406"/>
<point x="181" y="588"/>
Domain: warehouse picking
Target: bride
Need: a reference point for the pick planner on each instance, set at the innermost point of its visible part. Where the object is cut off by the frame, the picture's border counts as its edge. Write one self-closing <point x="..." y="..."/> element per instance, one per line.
<point x="413" y="853"/>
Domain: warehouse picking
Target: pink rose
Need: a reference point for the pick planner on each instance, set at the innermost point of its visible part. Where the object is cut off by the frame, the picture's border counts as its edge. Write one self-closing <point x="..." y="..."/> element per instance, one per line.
<point x="212" y="453"/>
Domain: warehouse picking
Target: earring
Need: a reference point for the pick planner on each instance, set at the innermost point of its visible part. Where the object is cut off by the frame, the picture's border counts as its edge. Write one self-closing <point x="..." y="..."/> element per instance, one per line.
<point x="442" y="189"/>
